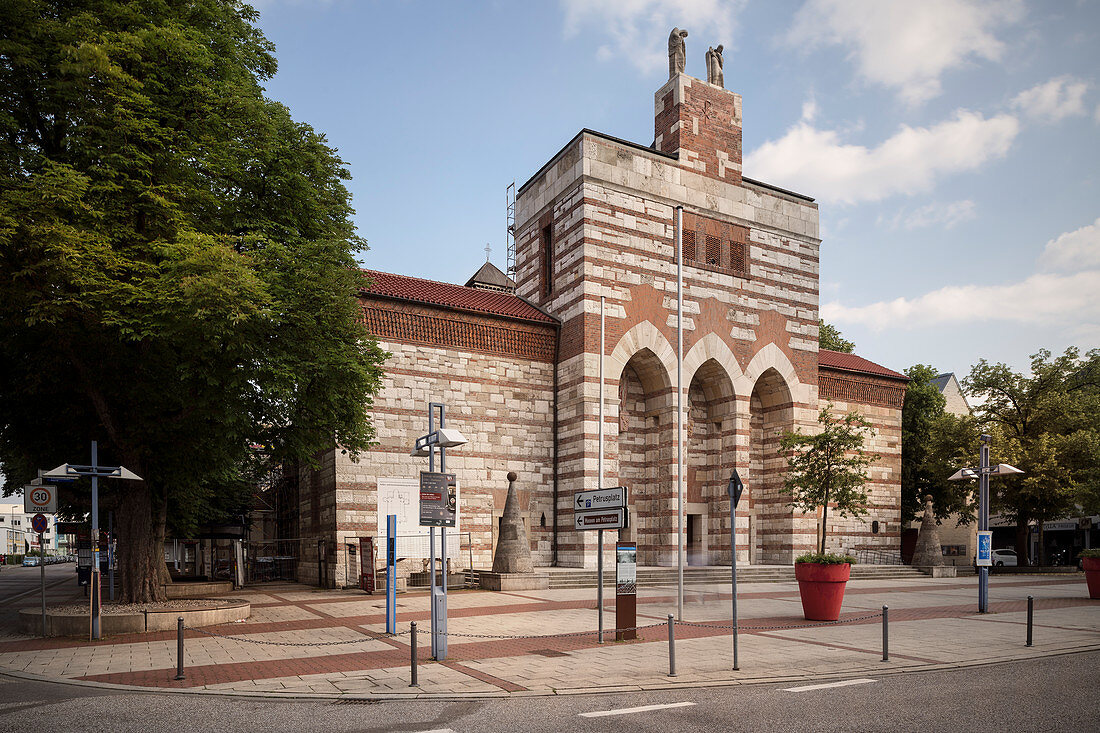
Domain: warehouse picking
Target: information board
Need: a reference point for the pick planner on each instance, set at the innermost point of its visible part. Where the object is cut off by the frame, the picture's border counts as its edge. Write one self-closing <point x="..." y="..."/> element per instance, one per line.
<point x="985" y="549"/>
<point x="438" y="499"/>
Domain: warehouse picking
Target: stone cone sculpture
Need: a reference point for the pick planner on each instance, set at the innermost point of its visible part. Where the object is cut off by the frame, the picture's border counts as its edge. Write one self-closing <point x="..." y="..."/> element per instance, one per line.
<point x="513" y="554"/>
<point x="928" y="552"/>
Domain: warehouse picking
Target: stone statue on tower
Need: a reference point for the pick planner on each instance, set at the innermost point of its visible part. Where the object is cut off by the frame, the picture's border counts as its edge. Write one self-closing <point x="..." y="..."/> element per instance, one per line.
<point x="677" y="52"/>
<point x="714" y="67"/>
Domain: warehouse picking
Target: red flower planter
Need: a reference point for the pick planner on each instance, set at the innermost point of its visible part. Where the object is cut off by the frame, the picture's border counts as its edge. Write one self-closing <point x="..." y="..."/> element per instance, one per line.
<point x="1092" y="575"/>
<point x="822" y="589"/>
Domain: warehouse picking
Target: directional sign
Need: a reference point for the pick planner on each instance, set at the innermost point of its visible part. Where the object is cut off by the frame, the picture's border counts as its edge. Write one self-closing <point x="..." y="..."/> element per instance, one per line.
<point x="607" y="519"/>
<point x="614" y="498"/>
<point x="40" y="499"/>
<point x="39" y="523"/>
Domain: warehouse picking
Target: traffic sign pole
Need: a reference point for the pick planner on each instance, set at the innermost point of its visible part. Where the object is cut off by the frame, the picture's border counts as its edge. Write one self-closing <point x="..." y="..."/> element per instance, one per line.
<point x="42" y="574"/>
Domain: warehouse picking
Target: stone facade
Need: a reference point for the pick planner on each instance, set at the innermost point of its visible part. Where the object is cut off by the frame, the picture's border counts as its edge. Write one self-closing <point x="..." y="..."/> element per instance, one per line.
<point x="599" y="221"/>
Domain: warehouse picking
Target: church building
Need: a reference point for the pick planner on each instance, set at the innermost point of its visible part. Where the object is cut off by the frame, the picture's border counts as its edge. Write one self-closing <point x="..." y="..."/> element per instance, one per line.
<point x="517" y="360"/>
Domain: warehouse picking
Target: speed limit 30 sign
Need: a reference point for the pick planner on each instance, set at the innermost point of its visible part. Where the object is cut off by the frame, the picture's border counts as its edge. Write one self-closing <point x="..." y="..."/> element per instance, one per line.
<point x="40" y="499"/>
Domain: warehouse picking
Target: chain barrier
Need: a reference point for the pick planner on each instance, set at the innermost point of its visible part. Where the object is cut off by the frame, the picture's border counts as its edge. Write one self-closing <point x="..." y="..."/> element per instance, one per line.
<point x="743" y="627"/>
<point x="291" y="643"/>
<point x="571" y="634"/>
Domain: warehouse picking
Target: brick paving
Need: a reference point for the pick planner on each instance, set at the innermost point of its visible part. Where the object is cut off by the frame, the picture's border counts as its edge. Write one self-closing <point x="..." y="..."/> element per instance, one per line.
<point x="933" y="623"/>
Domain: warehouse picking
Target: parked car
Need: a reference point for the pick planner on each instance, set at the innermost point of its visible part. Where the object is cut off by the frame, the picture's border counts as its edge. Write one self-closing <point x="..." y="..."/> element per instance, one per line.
<point x="30" y="562"/>
<point x="1006" y="558"/>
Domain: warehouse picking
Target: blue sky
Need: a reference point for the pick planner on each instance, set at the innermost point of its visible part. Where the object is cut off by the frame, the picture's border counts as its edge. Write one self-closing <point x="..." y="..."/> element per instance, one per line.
<point x="953" y="146"/>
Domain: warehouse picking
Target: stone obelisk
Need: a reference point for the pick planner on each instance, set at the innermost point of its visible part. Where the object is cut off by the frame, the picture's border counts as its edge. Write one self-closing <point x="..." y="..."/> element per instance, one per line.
<point x="928" y="556"/>
<point x="513" y="554"/>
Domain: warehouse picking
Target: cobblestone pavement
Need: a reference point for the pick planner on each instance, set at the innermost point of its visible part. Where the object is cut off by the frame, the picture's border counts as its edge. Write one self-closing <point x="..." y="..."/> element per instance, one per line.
<point x="332" y="643"/>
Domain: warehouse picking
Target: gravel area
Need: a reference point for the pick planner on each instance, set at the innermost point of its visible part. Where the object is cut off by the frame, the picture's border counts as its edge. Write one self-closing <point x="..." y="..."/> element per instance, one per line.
<point x="118" y="609"/>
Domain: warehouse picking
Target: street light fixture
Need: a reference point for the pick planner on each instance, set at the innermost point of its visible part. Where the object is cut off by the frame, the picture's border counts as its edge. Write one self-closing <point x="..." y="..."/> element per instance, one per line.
<point x="425" y="447"/>
<point x="982" y="473"/>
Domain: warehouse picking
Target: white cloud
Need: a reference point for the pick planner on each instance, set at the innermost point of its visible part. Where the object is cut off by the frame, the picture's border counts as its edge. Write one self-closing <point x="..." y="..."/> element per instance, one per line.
<point x="945" y="215"/>
<point x="817" y="163"/>
<point x="1063" y="298"/>
<point x="638" y="29"/>
<point x="906" y="44"/>
<point x="1053" y="101"/>
<point x="1040" y="299"/>
<point x="1076" y="250"/>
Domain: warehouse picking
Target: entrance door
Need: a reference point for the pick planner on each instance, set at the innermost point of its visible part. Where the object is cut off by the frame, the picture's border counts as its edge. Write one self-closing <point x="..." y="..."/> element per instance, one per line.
<point x="694" y="539"/>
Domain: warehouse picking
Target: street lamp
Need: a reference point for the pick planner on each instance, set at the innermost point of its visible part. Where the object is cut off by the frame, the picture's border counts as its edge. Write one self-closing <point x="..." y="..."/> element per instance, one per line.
<point x="982" y="473"/>
<point x="68" y="472"/>
<point x="440" y="438"/>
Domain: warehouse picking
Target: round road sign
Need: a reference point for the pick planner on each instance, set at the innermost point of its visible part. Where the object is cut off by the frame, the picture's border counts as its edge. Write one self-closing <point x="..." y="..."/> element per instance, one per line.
<point x="39" y="523"/>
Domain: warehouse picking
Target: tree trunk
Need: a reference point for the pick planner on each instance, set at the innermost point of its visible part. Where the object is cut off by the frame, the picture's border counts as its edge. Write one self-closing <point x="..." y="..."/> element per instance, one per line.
<point x="824" y="525"/>
<point x="1021" y="542"/>
<point x="140" y="556"/>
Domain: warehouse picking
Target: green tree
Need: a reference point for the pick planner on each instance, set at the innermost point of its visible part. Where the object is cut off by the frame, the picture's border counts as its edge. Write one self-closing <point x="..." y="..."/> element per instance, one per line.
<point x="1046" y="423"/>
<point x="933" y="442"/>
<point x="828" y="467"/>
<point x="177" y="265"/>
<point x="829" y="337"/>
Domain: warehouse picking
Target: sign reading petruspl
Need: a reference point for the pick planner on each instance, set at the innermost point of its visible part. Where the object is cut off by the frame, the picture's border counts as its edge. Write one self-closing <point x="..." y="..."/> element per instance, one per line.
<point x="609" y="519"/>
<point x="40" y="499"/>
<point x="614" y="498"/>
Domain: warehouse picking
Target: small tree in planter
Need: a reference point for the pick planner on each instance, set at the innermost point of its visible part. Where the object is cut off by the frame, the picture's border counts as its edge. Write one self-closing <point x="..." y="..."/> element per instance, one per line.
<point x="827" y="468"/>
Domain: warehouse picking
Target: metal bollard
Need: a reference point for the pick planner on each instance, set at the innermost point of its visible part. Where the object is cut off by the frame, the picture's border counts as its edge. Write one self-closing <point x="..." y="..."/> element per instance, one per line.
<point x="179" y="648"/>
<point x="412" y="661"/>
<point x="671" y="648"/>
<point x="886" y="633"/>
<point x="1030" y="617"/>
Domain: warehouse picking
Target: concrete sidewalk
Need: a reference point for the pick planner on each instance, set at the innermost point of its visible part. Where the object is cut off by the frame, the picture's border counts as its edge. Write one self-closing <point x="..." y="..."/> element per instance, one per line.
<point x="332" y="643"/>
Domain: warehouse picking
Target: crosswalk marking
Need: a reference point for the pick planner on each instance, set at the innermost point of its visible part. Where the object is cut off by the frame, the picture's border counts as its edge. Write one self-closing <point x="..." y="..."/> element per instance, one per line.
<point x="628" y="711"/>
<point x="842" y="683"/>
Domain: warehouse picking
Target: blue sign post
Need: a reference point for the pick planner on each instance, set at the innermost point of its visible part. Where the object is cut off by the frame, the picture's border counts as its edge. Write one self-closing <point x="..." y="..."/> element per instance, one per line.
<point x="985" y="549"/>
<point x="391" y="573"/>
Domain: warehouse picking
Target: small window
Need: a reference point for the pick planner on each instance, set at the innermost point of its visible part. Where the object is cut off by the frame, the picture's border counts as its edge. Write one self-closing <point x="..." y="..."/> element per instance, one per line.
<point x="547" y="259"/>
<point x="688" y="244"/>
<point x="714" y="251"/>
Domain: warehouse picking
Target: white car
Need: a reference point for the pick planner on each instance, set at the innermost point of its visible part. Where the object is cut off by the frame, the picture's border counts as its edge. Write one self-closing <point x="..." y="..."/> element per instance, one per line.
<point x="1005" y="558"/>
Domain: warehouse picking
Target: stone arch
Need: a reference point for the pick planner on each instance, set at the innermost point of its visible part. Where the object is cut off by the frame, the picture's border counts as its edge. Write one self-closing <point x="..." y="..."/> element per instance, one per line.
<point x="642" y="336"/>
<point x="646" y="457"/>
<point x="710" y="452"/>
<point x="771" y="413"/>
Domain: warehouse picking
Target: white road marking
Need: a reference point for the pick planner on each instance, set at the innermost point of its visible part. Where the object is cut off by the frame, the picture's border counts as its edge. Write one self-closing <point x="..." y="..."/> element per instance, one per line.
<point x="628" y="711"/>
<point x="843" y="683"/>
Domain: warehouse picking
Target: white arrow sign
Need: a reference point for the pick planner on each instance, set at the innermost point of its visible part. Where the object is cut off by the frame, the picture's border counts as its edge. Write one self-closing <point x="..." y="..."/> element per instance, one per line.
<point x="615" y="498"/>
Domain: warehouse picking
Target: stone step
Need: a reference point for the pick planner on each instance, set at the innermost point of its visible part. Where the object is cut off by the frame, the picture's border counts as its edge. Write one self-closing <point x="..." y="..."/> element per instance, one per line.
<point x="652" y="577"/>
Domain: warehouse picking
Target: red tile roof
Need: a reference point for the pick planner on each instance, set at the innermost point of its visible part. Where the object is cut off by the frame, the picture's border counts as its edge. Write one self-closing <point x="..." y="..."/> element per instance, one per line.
<point x="432" y="292"/>
<point x="853" y="363"/>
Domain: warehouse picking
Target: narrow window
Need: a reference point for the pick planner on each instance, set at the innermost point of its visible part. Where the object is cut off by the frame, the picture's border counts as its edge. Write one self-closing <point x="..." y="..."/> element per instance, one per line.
<point x="547" y="259"/>
<point x="714" y="251"/>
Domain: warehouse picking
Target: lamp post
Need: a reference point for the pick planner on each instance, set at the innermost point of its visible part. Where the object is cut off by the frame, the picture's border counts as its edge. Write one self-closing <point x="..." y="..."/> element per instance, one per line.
<point x="69" y="472"/>
<point x="982" y="473"/>
<point x="426" y="445"/>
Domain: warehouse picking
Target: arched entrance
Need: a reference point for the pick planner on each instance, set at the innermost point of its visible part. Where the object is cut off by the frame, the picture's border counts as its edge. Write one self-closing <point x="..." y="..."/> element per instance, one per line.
<point x="710" y="445"/>
<point x="771" y="413"/>
<point x="646" y="455"/>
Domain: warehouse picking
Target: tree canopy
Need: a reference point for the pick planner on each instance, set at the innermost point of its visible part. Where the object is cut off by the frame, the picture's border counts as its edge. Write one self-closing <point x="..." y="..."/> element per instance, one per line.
<point x="934" y="443"/>
<point x="1046" y="423"/>
<point x="828" y="467"/>
<point x="829" y="337"/>
<point x="177" y="264"/>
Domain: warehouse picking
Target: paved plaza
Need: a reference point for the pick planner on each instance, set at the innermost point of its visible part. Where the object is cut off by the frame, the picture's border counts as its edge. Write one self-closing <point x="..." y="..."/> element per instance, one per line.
<point x="333" y="643"/>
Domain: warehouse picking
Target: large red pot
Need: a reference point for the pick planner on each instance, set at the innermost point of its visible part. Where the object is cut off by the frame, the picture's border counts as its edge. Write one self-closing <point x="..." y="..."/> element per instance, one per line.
<point x="1092" y="575"/>
<point x="822" y="589"/>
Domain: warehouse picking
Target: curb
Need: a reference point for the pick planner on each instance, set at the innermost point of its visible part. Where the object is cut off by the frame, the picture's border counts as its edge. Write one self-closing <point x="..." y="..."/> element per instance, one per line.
<point x="566" y="692"/>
